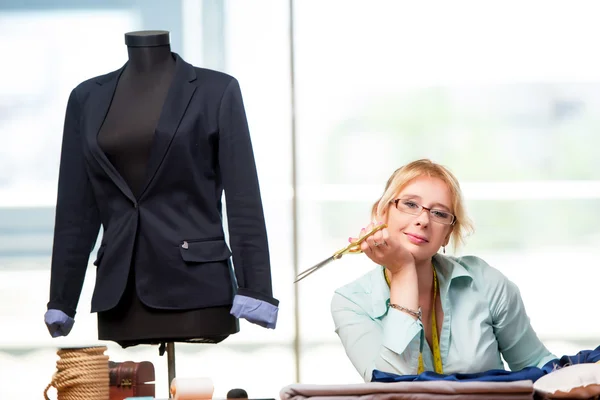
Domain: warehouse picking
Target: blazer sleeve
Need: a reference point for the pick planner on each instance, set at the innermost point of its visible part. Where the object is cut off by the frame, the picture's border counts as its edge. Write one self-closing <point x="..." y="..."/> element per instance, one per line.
<point x="77" y="219"/>
<point x="247" y="230"/>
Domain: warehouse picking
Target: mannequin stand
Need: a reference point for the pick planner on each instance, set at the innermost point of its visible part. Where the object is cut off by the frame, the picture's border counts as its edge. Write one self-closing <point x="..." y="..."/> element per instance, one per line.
<point x="170" y="364"/>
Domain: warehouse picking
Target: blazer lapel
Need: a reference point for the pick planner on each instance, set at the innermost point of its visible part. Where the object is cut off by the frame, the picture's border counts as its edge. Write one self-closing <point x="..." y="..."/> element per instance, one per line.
<point x="100" y="102"/>
<point x="179" y="96"/>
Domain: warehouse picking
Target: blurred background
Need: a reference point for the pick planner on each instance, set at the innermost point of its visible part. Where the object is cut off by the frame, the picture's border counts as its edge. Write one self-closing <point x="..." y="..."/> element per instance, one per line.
<point x="506" y="94"/>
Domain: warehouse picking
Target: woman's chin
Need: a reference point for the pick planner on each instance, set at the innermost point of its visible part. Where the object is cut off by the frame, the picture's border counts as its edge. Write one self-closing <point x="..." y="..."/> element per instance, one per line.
<point x="420" y="253"/>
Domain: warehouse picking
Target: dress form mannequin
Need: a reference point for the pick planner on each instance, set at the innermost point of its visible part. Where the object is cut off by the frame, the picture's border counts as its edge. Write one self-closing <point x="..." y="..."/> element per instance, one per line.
<point x="147" y="152"/>
<point x="126" y="137"/>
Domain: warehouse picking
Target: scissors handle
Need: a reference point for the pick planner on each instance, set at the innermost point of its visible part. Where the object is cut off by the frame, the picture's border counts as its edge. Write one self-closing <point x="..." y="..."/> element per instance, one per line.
<point x="354" y="247"/>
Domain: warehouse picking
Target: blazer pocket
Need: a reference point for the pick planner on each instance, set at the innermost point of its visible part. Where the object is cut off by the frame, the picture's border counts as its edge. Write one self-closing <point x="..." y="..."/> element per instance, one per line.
<point x="99" y="255"/>
<point x="204" y="251"/>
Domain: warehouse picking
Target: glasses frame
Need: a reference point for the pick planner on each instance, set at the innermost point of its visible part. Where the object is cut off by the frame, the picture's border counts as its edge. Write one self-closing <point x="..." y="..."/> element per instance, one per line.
<point x="421" y="208"/>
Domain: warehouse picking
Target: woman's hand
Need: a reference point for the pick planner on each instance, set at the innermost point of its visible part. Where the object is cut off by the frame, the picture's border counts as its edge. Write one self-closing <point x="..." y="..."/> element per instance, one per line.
<point x="385" y="250"/>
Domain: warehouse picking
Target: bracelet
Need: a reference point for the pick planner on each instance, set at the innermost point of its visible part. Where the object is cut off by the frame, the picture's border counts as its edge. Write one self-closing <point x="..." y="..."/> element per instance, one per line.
<point x="417" y="314"/>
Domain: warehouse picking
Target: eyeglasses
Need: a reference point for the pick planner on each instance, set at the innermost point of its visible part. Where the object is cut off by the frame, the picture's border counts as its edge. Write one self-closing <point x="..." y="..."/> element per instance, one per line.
<point x="410" y="207"/>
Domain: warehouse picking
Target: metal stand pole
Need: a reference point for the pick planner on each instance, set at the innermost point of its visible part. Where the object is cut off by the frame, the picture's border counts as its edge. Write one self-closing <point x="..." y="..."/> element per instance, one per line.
<point x="170" y="364"/>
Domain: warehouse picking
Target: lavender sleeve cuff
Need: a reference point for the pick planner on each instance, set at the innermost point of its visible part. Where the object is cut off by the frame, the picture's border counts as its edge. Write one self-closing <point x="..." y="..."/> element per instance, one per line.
<point x="256" y="311"/>
<point x="58" y="323"/>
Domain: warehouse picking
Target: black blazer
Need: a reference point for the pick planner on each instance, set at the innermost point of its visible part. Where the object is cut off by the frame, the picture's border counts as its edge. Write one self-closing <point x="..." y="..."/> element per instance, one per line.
<point x="174" y="233"/>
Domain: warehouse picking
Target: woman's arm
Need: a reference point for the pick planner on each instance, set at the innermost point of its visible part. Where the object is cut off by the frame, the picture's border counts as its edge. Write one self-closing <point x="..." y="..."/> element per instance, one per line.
<point x="517" y="340"/>
<point x="389" y="343"/>
<point x="388" y="339"/>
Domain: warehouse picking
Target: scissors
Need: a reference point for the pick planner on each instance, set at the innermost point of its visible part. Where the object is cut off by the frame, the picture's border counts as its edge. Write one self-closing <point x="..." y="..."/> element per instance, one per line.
<point x="352" y="248"/>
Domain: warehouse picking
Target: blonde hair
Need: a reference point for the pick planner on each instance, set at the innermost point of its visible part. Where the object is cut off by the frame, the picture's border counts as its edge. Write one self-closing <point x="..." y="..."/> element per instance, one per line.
<point x="424" y="167"/>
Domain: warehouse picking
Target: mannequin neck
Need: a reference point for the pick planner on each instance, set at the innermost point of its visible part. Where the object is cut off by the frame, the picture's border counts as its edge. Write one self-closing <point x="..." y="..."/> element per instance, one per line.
<point x="151" y="58"/>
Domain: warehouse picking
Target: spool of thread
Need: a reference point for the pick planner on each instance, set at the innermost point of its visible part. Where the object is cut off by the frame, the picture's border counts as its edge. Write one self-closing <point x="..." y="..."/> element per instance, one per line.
<point x="82" y="374"/>
<point x="192" y="388"/>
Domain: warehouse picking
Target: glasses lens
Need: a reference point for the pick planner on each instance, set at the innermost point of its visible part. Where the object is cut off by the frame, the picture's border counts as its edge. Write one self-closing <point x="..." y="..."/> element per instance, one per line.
<point x="410" y="207"/>
<point x="441" y="216"/>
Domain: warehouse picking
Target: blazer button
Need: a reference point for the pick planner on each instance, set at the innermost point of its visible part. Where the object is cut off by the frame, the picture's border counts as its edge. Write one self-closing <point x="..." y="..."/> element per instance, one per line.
<point x="185" y="245"/>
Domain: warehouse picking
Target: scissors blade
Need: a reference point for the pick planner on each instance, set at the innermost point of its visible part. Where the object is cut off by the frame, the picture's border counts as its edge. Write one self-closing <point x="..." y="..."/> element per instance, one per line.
<point x="352" y="248"/>
<point x="313" y="269"/>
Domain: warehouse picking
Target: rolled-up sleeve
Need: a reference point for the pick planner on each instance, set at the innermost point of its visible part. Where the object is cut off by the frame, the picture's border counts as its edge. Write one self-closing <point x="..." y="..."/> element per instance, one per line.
<point x="254" y="299"/>
<point x="389" y="343"/>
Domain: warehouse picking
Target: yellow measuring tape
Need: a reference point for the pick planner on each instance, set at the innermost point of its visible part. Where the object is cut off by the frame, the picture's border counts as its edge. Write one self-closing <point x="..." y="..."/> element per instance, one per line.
<point x="437" y="355"/>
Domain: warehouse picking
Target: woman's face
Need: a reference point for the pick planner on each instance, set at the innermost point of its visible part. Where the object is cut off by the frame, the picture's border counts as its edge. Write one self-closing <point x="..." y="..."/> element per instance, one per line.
<point x="422" y="233"/>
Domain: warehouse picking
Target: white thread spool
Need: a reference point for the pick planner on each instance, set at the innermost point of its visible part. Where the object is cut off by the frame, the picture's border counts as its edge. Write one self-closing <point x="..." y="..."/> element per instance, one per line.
<point x="192" y="388"/>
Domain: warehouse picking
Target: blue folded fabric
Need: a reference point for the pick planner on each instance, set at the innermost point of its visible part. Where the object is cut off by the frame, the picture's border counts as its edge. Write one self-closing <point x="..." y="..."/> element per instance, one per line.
<point x="495" y="375"/>
<point x="583" y="357"/>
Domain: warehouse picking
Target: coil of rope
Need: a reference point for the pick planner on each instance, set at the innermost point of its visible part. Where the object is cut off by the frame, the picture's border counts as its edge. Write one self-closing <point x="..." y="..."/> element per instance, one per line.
<point x="82" y="374"/>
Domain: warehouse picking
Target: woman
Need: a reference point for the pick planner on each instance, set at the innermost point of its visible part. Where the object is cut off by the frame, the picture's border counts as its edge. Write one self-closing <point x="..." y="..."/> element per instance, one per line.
<point x="419" y="310"/>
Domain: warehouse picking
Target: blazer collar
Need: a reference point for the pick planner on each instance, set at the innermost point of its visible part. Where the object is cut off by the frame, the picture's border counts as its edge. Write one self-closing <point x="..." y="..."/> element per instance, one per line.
<point x="187" y="71"/>
<point x="177" y="100"/>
